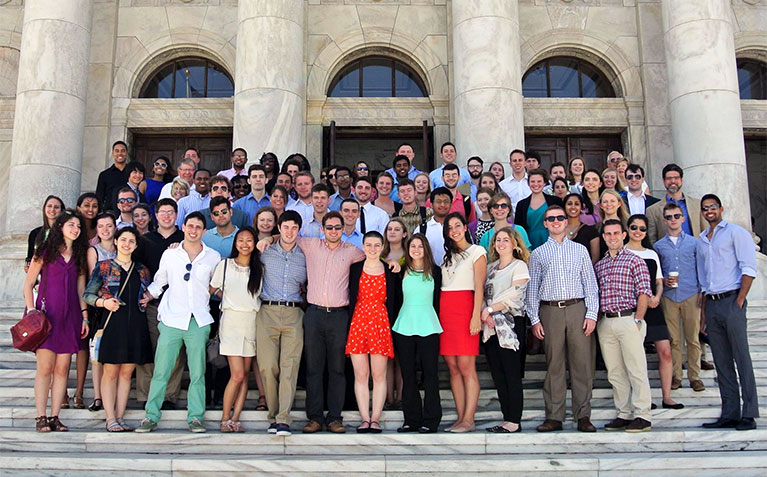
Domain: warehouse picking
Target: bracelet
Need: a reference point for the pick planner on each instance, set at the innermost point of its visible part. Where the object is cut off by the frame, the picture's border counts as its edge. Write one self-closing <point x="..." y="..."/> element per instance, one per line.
<point x="85" y="320"/>
<point x="84" y="310"/>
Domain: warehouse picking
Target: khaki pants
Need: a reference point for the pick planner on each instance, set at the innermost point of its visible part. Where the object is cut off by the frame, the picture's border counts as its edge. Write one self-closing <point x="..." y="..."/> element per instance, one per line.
<point x="144" y="371"/>
<point x="565" y="344"/>
<point x="623" y="351"/>
<point x="279" y="343"/>
<point x="684" y="314"/>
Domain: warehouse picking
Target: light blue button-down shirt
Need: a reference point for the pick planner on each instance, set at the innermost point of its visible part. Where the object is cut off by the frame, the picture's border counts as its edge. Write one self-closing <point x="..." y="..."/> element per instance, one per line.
<point x="220" y="243"/>
<point x="680" y="257"/>
<point x="335" y="201"/>
<point x="436" y="177"/>
<point x="284" y="274"/>
<point x="410" y="174"/>
<point x="312" y="229"/>
<point x="724" y="260"/>
<point x="194" y="202"/>
<point x="250" y="204"/>
<point x="354" y="238"/>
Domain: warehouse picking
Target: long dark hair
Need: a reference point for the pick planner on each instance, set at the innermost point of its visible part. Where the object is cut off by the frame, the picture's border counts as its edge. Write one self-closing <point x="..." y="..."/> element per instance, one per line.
<point x="50" y="250"/>
<point x="586" y="202"/>
<point x="451" y="248"/>
<point x="254" y="282"/>
<point x="646" y="240"/>
<point x="81" y="199"/>
<point x="428" y="257"/>
<point x="169" y="175"/>
<point x="43" y="234"/>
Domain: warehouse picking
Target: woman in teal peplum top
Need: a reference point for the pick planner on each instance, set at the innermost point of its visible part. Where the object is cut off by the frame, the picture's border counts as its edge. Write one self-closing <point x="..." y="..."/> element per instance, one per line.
<point x="416" y="336"/>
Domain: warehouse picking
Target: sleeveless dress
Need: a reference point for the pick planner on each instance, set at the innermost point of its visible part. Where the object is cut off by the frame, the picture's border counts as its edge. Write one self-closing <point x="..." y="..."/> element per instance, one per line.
<point x="126" y="337"/>
<point x="417" y="316"/>
<point x="369" y="332"/>
<point x="537" y="233"/>
<point x="656" y="322"/>
<point x="153" y="190"/>
<point x="62" y="306"/>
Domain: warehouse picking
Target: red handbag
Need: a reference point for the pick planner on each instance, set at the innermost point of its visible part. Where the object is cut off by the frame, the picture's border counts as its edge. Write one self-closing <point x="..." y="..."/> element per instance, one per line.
<point x="33" y="328"/>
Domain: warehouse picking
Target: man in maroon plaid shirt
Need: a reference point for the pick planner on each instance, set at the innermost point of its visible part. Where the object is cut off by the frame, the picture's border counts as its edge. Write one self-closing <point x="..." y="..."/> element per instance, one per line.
<point x="624" y="292"/>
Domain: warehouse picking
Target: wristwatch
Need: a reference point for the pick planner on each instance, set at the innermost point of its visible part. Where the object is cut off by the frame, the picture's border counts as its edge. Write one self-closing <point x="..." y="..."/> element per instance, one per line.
<point x="489" y="309"/>
<point x="637" y="321"/>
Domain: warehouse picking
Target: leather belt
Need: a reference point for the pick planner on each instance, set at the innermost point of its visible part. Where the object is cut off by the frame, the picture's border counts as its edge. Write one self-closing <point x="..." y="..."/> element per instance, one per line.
<point x="621" y="314"/>
<point x="721" y="296"/>
<point x="562" y="303"/>
<point x="328" y="309"/>
<point x="292" y="304"/>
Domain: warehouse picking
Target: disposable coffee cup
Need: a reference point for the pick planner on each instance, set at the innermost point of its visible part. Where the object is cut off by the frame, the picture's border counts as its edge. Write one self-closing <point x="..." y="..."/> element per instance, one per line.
<point x="674" y="275"/>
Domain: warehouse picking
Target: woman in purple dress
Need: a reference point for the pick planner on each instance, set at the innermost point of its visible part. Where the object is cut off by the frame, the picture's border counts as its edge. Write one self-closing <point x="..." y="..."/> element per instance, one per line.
<point x="62" y="263"/>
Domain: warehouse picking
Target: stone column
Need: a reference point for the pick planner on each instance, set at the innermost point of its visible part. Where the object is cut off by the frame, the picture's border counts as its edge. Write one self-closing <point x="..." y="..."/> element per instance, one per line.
<point x="50" y="108"/>
<point x="487" y="79"/>
<point x="706" y="123"/>
<point x="269" y="77"/>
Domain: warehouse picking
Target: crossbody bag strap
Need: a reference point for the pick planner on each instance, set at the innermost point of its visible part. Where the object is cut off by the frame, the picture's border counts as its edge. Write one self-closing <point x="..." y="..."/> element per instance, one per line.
<point x="130" y="271"/>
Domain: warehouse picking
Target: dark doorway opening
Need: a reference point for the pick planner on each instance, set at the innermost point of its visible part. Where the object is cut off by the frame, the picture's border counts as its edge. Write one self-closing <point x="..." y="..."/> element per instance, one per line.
<point x="215" y="148"/>
<point x="556" y="148"/>
<point x="756" y="167"/>
<point x="376" y="145"/>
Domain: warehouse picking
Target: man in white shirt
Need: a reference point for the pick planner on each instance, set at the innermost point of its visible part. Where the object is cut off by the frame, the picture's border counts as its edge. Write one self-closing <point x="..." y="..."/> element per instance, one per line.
<point x="303" y="183"/>
<point x="636" y="199"/>
<point x="515" y="186"/>
<point x="184" y="318"/>
<point x="371" y="217"/>
<point x="441" y="200"/>
<point x="185" y="170"/>
<point x="239" y="158"/>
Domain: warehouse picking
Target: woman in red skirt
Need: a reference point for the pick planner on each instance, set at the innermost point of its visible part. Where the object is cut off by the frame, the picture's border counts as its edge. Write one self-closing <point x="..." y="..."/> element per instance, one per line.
<point x="375" y="295"/>
<point x="463" y="281"/>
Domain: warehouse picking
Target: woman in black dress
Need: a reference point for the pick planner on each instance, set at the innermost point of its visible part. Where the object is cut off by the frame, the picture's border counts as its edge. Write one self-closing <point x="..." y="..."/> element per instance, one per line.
<point x="125" y="342"/>
<point x="657" y="332"/>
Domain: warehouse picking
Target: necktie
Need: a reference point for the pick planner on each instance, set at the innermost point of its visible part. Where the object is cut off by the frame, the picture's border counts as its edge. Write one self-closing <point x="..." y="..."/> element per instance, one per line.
<point x="363" y="228"/>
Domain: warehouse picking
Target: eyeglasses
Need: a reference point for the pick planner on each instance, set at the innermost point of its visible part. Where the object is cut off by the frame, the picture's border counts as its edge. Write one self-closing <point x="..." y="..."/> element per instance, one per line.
<point x="333" y="227"/>
<point x="638" y="227"/>
<point x="673" y="216"/>
<point x="474" y="166"/>
<point x="631" y="177"/>
<point x="705" y="208"/>
<point x="223" y="188"/>
<point x="188" y="273"/>
<point x="555" y="218"/>
<point x="160" y="164"/>
<point x="362" y="168"/>
<point x="165" y="212"/>
<point x="126" y="201"/>
<point x="221" y="213"/>
<point x="499" y="206"/>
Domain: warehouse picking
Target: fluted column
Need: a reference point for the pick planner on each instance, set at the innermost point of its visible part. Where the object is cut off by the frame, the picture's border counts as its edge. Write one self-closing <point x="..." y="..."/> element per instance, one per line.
<point x="704" y="102"/>
<point x="50" y="108"/>
<point x="269" y="78"/>
<point x="487" y="79"/>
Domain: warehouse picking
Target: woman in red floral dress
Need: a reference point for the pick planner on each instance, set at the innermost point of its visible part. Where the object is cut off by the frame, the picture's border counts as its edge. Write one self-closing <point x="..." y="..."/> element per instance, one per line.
<point x="375" y="295"/>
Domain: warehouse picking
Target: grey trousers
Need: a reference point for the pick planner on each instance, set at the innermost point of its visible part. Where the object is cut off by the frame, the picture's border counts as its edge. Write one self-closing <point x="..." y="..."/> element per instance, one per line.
<point x="728" y="338"/>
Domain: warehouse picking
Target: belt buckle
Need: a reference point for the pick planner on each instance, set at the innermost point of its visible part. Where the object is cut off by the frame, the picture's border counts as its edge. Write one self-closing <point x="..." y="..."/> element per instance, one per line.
<point x="560" y="304"/>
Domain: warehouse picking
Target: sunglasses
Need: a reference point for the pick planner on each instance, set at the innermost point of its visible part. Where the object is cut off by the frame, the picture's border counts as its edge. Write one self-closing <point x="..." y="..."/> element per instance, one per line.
<point x="705" y="208"/>
<point x="362" y="168"/>
<point x="239" y="156"/>
<point x="161" y="164"/>
<point x="224" y="188"/>
<point x="222" y="212"/>
<point x="333" y="227"/>
<point x="673" y="216"/>
<point x="126" y="201"/>
<point x="615" y="159"/>
<point x="637" y="227"/>
<point x="633" y="176"/>
<point x="499" y="206"/>
<point x="188" y="273"/>
<point x="555" y="218"/>
<point x="239" y="186"/>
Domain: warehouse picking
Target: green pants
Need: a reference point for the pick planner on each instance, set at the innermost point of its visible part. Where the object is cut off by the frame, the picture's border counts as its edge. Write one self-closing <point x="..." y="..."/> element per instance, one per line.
<point x="169" y="343"/>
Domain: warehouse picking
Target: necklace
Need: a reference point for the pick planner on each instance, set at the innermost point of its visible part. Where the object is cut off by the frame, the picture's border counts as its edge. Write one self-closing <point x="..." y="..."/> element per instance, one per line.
<point x="123" y="264"/>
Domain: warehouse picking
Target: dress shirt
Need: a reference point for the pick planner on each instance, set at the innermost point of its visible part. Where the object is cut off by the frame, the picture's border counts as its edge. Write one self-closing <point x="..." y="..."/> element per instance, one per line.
<point x="184" y="298"/>
<point x="413" y="219"/>
<point x="410" y="174"/>
<point x="328" y="271"/>
<point x="284" y="274"/>
<point x="239" y="218"/>
<point x="622" y="279"/>
<point x="682" y="203"/>
<point x="679" y="257"/>
<point x="561" y="271"/>
<point x="165" y="193"/>
<point x="250" y="204"/>
<point x="515" y="189"/>
<point x="436" y="240"/>
<point x="110" y="180"/>
<point x="312" y="228"/>
<point x="220" y="243"/>
<point x="436" y="177"/>
<point x="724" y="260"/>
<point x="335" y="200"/>
<point x="230" y="173"/>
<point x="194" y="202"/>
<point x="354" y="238"/>
<point x="636" y="203"/>
<point x="305" y="210"/>
<point x="375" y="219"/>
<point x="121" y="224"/>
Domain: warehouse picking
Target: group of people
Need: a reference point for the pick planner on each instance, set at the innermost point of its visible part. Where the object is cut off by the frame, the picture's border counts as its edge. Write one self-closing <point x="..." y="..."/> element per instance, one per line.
<point x="289" y="275"/>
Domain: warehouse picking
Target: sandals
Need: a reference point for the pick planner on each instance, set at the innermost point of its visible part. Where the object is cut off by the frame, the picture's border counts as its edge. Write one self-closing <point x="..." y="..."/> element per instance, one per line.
<point x="227" y="426"/>
<point x="41" y="424"/>
<point x="78" y="402"/>
<point x="375" y="430"/>
<point x="364" y="428"/>
<point x="261" y="404"/>
<point x="114" y="426"/>
<point x="55" y="424"/>
<point x="125" y="426"/>
<point x="96" y="405"/>
<point x="65" y="403"/>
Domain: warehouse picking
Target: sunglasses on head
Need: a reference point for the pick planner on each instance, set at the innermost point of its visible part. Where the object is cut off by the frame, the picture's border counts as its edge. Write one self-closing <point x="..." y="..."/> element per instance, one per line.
<point x="555" y="218"/>
<point x="673" y="216"/>
<point x="641" y="228"/>
<point x="188" y="273"/>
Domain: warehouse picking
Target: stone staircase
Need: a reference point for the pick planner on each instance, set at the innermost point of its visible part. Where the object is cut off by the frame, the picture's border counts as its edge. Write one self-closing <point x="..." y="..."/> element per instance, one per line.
<point x="676" y="445"/>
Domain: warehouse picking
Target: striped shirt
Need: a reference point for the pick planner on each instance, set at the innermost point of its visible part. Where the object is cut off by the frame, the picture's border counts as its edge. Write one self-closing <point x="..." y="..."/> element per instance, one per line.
<point x="194" y="202"/>
<point x="561" y="271"/>
<point x="328" y="271"/>
<point x="284" y="274"/>
<point x="622" y="279"/>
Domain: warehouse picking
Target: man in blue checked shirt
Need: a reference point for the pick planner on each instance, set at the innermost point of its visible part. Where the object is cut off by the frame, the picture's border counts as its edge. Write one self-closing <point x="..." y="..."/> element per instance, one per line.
<point x="726" y="268"/>
<point x="562" y="303"/>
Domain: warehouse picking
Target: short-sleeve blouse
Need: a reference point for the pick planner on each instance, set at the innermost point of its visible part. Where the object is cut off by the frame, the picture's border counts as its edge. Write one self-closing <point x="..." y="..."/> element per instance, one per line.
<point x="460" y="274"/>
<point x="236" y="295"/>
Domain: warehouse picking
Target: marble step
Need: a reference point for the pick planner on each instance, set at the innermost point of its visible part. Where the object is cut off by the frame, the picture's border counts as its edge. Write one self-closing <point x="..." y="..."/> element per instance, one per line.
<point x="257" y="421"/>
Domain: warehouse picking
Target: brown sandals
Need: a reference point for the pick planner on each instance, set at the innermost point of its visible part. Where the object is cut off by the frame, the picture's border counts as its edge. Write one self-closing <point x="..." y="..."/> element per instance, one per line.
<point x="41" y="424"/>
<point x="55" y="424"/>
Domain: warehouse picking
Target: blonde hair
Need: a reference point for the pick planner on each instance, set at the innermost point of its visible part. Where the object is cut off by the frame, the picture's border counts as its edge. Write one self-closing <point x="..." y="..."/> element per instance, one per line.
<point x="618" y="182"/>
<point x="622" y="214"/>
<point x="520" y="249"/>
<point x="180" y="182"/>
